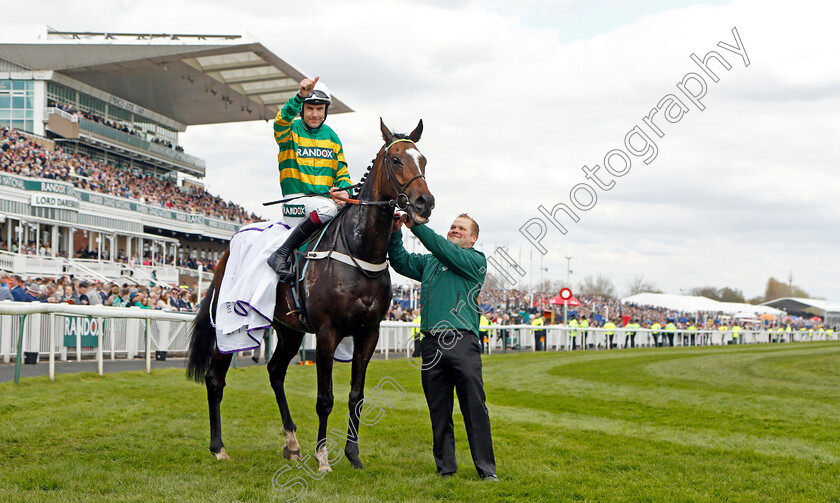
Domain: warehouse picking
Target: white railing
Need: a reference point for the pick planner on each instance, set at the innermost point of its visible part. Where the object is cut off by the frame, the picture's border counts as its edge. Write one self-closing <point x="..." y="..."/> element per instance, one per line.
<point x="60" y="113"/>
<point x="63" y="329"/>
<point x="77" y="332"/>
<point x="31" y="265"/>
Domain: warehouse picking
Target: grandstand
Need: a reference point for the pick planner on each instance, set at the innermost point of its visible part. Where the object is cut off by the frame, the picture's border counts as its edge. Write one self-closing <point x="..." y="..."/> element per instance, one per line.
<point x="93" y="181"/>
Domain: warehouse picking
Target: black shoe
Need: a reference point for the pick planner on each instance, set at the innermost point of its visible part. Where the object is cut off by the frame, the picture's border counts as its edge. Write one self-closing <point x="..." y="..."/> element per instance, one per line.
<point x="445" y="475"/>
<point x="279" y="260"/>
<point x="490" y="478"/>
<point x="256" y="359"/>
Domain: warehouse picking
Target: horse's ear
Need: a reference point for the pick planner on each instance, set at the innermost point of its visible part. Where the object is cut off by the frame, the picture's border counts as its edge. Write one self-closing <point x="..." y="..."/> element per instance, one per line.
<point x="387" y="135"/>
<point x="415" y="135"/>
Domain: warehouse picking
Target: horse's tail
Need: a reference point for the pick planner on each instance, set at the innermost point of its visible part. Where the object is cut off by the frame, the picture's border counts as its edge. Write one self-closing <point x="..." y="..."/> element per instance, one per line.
<point x="202" y="339"/>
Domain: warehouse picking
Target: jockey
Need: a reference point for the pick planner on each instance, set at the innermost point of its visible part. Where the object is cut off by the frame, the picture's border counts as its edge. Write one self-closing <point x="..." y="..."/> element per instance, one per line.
<point x="311" y="161"/>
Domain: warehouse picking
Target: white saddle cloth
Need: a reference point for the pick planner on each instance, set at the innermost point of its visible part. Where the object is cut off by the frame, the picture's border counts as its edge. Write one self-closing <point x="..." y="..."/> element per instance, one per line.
<point x="248" y="293"/>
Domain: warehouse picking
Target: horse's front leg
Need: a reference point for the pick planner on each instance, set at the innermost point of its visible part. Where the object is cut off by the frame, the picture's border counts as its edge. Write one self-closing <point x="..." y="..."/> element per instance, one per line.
<point x="363" y="348"/>
<point x="327" y="340"/>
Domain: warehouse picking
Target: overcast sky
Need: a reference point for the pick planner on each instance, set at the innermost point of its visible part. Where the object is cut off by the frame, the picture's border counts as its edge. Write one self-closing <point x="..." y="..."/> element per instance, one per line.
<point x="517" y="97"/>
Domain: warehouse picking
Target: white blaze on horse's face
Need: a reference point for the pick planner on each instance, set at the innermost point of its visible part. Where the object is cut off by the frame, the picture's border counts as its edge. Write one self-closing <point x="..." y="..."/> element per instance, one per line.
<point x="416" y="156"/>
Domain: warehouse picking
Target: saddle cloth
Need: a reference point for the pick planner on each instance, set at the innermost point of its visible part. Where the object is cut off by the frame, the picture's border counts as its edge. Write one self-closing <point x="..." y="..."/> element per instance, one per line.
<point x="248" y="293"/>
<point x="247" y="296"/>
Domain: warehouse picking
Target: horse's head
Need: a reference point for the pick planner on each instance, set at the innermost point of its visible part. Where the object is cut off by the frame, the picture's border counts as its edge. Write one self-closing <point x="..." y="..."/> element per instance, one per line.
<point x="402" y="174"/>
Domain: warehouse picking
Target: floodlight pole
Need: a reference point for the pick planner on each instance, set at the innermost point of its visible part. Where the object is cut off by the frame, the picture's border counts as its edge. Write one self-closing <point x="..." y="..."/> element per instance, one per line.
<point x="568" y="271"/>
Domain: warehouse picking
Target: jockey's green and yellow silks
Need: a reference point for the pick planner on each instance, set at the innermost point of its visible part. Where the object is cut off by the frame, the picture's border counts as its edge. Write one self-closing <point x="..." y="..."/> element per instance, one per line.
<point x="310" y="161"/>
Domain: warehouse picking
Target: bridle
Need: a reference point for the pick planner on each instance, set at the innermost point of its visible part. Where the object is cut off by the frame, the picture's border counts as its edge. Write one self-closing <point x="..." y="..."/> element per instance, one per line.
<point x="401" y="200"/>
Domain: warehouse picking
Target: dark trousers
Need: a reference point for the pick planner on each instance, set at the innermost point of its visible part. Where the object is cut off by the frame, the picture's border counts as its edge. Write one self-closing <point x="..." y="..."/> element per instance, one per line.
<point x="457" y="368"/>
<point x="539" y="340"/>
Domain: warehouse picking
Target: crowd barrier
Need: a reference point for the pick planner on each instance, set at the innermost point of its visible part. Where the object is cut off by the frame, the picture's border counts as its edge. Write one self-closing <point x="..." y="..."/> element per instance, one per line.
<point x="40" y="331"/>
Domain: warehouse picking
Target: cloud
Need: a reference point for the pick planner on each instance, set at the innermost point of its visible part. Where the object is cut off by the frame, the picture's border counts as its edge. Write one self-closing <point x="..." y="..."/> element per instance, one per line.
<point x="517" y="97"/>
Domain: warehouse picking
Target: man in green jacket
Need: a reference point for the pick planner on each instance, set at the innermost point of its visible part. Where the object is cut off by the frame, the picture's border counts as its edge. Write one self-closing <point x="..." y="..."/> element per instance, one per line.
<point x="451" y="277"/>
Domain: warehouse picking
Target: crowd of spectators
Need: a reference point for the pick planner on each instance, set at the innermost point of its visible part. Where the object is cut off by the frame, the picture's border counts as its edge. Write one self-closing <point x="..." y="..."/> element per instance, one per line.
<point x="206" y="265"/>
<point x="119" y="126"/>
<point x="21" y="155"/>
<point x="66" y="290"/>
<point x="516" y="307"/>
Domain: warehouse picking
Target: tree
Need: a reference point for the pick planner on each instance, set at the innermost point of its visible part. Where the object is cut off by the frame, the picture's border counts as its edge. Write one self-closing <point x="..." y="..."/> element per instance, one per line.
<point x="776" y="289"/>
<point x="599" y="285"/>
<point x="731" y="295"/>
<point x="710" y="292"/>
<point x="640" y="285"/>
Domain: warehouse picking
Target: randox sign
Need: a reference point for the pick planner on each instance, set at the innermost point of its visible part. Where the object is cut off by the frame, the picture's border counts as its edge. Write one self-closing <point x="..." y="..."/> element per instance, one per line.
<point x="87" y="328"/>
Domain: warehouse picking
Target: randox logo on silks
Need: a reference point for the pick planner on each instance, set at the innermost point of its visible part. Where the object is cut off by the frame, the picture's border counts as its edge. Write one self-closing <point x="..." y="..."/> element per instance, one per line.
<point x="294" y="210"/>
<point x="315" y="153"/>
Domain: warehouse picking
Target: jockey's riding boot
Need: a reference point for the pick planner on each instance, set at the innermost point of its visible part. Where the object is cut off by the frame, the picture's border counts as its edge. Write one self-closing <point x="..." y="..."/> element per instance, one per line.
<point x="279" y="260"/>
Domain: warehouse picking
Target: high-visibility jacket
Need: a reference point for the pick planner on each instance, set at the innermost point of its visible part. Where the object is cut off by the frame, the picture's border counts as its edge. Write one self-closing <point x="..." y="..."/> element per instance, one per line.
<point x="483" y="321"/>
<point x="573" y="325"/>
<point x="670" y="327"/>
<point x="723" y="328"/>
<point x="631" y="328"/>
<point x="655" y="328"/>
<point x="736" y="331"/>
<point x="415" y="329"/>
<point x="609" y="328"/>
<point x="537" y="322"/>
<point x="692" y="328"/>
<point x="584" y="324"/>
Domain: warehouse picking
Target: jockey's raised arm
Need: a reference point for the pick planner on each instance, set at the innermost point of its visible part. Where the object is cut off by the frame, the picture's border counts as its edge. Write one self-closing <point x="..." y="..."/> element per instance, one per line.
<point x="310" y="161"/>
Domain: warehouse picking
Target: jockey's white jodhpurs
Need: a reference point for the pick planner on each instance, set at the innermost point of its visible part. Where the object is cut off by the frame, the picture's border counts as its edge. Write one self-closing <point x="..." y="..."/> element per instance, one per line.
<point x="294" y="212"/>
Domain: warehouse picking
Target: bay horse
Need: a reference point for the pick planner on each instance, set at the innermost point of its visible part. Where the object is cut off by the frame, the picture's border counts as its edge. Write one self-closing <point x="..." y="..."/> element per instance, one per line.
<point x="339" y="300"/>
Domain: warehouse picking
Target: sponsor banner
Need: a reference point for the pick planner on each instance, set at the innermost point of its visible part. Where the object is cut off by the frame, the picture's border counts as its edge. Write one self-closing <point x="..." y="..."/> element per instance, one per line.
<point x="62" y="195"/>
<point x="87" y="328"/>
<point x="54" y="201"/>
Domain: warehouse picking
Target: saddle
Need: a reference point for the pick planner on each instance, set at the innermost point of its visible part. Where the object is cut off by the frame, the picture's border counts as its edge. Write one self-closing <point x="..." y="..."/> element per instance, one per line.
<point x="301" y="260"/>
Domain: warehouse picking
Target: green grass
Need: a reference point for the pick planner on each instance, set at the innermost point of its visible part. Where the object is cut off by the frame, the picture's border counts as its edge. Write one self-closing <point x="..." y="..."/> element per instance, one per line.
<point x="748" y="423"/>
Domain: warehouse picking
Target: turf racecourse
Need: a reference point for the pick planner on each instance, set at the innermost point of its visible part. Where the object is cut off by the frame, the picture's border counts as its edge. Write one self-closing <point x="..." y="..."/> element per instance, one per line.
<point x="746" y="423"/>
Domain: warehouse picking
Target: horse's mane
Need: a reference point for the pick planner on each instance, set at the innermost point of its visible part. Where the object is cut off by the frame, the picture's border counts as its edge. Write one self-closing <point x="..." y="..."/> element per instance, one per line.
<point x="363" y="180"/>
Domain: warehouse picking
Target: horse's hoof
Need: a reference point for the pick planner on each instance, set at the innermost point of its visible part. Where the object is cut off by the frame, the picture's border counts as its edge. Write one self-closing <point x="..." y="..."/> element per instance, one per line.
<point x="221" y="454"/>
<point x="324" y="469"/>
<point x="291" y="454"/>
<point x="355" y="461"/>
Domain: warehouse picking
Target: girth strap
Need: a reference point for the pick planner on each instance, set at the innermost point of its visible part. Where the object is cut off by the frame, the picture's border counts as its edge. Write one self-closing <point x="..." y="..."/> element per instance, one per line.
<point x="346" y="259"/>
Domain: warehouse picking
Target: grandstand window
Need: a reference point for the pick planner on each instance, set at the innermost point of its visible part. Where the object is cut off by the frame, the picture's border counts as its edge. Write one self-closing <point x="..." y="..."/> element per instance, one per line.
<point x="61" y="94"/>
<point x="91" y="105"/>
<point x="120" y="115"/>
<point x="16" y="104"/>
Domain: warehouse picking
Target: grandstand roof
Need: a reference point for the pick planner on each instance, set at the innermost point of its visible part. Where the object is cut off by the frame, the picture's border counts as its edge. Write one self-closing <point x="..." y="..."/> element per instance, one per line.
<point x="690" y="303"/>
<point x="190" y="78"/>
<point x="800" y="305"/>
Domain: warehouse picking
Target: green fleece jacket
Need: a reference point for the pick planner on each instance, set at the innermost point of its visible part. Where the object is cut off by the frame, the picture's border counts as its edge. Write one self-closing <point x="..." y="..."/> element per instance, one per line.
<point x="451" y="278"/>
